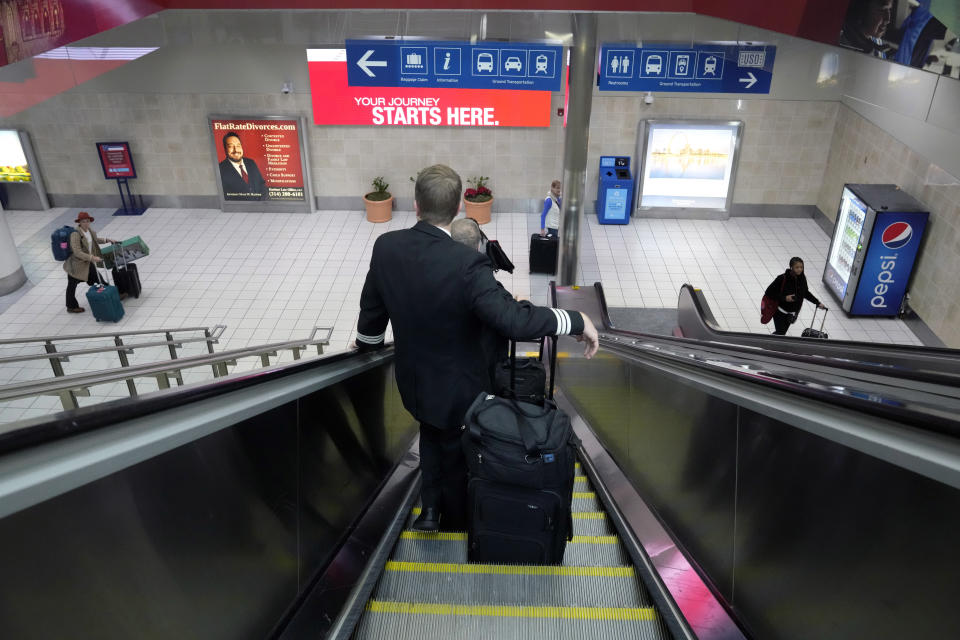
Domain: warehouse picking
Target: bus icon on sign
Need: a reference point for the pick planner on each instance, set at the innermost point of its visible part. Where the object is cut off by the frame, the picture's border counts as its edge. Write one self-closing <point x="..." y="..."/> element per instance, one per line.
<point x="484" y="62"/>
<point x="654" y="64"/>
<point x="752" y="59"/>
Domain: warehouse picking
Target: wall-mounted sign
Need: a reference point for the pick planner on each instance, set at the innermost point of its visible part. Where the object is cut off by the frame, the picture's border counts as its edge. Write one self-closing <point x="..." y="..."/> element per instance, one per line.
<point x="116" y="160"/>
<point x="13" y="158"/>
<point x="259" y="158"/>
<point x="720" y="67"/>
<point x="420" y="63"/>
<point x="335" y="102"/>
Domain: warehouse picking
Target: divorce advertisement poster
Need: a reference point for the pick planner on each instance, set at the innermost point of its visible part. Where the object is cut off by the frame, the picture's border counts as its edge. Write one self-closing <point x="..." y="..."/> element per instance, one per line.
<point x="259" y="159"/>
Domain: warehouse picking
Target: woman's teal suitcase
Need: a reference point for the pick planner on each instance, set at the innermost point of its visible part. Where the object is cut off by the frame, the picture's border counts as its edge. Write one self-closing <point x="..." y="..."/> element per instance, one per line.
<point x="104" y="301"/>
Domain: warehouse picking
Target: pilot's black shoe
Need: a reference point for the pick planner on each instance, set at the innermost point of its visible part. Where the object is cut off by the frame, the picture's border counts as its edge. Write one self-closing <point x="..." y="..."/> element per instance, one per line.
<point x="429" y="520"/>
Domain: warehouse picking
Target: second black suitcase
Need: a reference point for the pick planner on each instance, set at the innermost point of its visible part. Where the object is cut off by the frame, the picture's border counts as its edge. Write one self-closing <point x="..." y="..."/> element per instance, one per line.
<point x="125" y="274"/>
<point x="127" y="280"/>
<point x="543" y="253"/>
<point x="523" y="379"/>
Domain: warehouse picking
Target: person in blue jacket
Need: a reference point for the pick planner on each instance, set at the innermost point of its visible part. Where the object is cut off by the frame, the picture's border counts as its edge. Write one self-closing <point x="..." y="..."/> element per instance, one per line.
<point x="550" y="217"/>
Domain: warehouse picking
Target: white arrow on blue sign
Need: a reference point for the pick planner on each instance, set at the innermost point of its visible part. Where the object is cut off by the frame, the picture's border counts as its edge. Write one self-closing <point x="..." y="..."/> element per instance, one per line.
<point x="443" y="64"/>
<point x="715" y="67"/>
<point x="365" y="63"/>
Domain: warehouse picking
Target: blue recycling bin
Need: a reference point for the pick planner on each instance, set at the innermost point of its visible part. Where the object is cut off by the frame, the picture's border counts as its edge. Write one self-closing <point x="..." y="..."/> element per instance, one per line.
<point x="615" y="190"/>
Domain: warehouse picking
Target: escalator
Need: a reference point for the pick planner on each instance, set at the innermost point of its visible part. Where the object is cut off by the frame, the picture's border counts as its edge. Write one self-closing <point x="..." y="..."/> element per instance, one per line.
<point x="427" y="588"/>
<point x="722" y="492"/>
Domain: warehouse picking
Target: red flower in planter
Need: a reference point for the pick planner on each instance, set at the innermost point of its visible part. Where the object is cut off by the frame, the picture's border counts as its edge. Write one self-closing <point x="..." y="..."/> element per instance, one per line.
<point x="479" y="192"/>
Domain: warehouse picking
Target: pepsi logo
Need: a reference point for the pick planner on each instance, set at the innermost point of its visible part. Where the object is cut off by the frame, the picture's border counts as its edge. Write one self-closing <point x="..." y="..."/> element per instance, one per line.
<point x="897" y="235"/>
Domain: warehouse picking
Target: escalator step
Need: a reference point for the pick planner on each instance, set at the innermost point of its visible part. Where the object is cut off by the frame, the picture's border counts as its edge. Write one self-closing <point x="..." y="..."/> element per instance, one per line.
<point x="403" y="620"/>
<point x="538" y="586"/>
<point x="449" y="547"/>
<point x="585" y="523"/>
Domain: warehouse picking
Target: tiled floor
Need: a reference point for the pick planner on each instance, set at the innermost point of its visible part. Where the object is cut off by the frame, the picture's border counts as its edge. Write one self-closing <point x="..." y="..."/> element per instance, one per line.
<point x="272" y="277"/>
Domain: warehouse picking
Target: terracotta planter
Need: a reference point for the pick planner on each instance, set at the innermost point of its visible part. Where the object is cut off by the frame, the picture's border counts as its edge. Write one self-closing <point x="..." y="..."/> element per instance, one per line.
<point x="379" y="210"/>
<point x="479" y="211"/>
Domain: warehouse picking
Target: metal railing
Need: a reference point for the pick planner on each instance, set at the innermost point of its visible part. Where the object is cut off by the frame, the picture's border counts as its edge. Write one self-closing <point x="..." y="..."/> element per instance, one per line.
<point x="57" y="358"/>
<point x="68" y="388"/>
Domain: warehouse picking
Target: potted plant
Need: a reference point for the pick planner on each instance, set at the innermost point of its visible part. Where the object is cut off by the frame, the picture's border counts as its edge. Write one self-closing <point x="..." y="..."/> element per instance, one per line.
<point x="379" y="202"/>
<point x="478" y="199"/>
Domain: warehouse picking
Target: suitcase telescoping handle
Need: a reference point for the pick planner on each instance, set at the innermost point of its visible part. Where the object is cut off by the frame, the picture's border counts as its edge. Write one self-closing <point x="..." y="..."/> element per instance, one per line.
<point x="813" y="320"/>
<point x="553" y="363"/>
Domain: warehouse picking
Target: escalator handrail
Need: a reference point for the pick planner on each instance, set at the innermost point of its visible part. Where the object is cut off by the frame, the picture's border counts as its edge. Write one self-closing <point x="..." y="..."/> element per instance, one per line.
<point x="860" y="366"/>
<point x="712" y="325"/>
<point x="883" y="406"/>
<point x="85" y="419"/>
<point x="811" y="388"/>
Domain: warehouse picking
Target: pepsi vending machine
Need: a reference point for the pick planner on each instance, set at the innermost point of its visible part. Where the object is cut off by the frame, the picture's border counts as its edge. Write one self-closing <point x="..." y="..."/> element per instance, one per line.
<point x="875" y="243"/>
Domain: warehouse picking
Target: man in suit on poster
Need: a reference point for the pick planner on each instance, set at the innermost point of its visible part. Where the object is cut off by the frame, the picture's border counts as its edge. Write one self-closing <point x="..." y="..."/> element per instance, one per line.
<point x="439" y="295"/>
<point x="240" y="177"/>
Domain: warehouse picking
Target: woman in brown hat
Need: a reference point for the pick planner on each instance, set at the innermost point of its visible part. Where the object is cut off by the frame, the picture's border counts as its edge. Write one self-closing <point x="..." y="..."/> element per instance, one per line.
<point x="84" y="254"/>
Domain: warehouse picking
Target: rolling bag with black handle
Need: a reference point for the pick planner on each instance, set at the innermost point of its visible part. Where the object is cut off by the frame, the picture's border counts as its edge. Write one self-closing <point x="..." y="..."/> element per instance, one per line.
<point x="523" y="379"/>
<point x="521" y="460"/>
<point x="125" y="274"/>
<point x="810" y="332"/>
<point x="543" y="253"/>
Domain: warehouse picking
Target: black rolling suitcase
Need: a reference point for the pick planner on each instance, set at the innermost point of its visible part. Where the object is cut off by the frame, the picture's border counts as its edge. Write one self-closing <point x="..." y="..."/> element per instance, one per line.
<point x="810" y="332"/>
<point x="543" y="253"/>
<point x="523" y="379"/>
<point x="521" y="459"/>
<point x="125" y="275"/>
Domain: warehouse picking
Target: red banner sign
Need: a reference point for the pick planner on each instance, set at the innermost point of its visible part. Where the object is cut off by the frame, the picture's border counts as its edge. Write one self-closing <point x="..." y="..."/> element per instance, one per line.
<point x="337" y="103"/>
<point x="259" y="159"/>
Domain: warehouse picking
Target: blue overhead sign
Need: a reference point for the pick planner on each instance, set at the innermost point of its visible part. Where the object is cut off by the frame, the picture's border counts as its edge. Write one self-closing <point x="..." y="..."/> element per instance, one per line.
<point x="418" y="63"/>
<point x="705" y="68"/>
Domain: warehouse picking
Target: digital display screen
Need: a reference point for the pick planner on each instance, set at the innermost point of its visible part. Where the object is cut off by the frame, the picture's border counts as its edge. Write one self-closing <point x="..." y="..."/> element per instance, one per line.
<point x="13" y="159"/>
<point x="115" y="160"/>
<point x="688" y="166"/>
<point x="846" y="241"/>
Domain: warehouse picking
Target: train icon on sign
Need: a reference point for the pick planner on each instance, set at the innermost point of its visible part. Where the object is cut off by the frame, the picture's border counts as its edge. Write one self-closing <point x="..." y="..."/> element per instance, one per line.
<point x="710" y="66"/>
<point x="541" y="64"/>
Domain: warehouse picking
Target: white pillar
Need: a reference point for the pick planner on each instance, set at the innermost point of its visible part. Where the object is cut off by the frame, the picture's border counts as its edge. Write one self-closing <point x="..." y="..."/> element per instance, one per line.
<point x="12" y="275"/>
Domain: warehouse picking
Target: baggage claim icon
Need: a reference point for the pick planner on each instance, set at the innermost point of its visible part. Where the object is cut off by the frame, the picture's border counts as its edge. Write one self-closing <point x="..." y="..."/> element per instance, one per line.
<point x="897" y="235"/>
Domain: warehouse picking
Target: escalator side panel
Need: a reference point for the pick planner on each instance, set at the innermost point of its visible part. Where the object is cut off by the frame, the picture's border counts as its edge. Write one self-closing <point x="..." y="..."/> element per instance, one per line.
<point x="803" y="536"/>
<point x="680" y="448"/>
<point x="832" y="543"/>
<point x="211" y="539"/>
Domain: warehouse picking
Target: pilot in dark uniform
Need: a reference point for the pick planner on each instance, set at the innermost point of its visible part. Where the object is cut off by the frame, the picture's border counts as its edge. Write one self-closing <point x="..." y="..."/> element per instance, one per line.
<point x="438" y="294"/>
